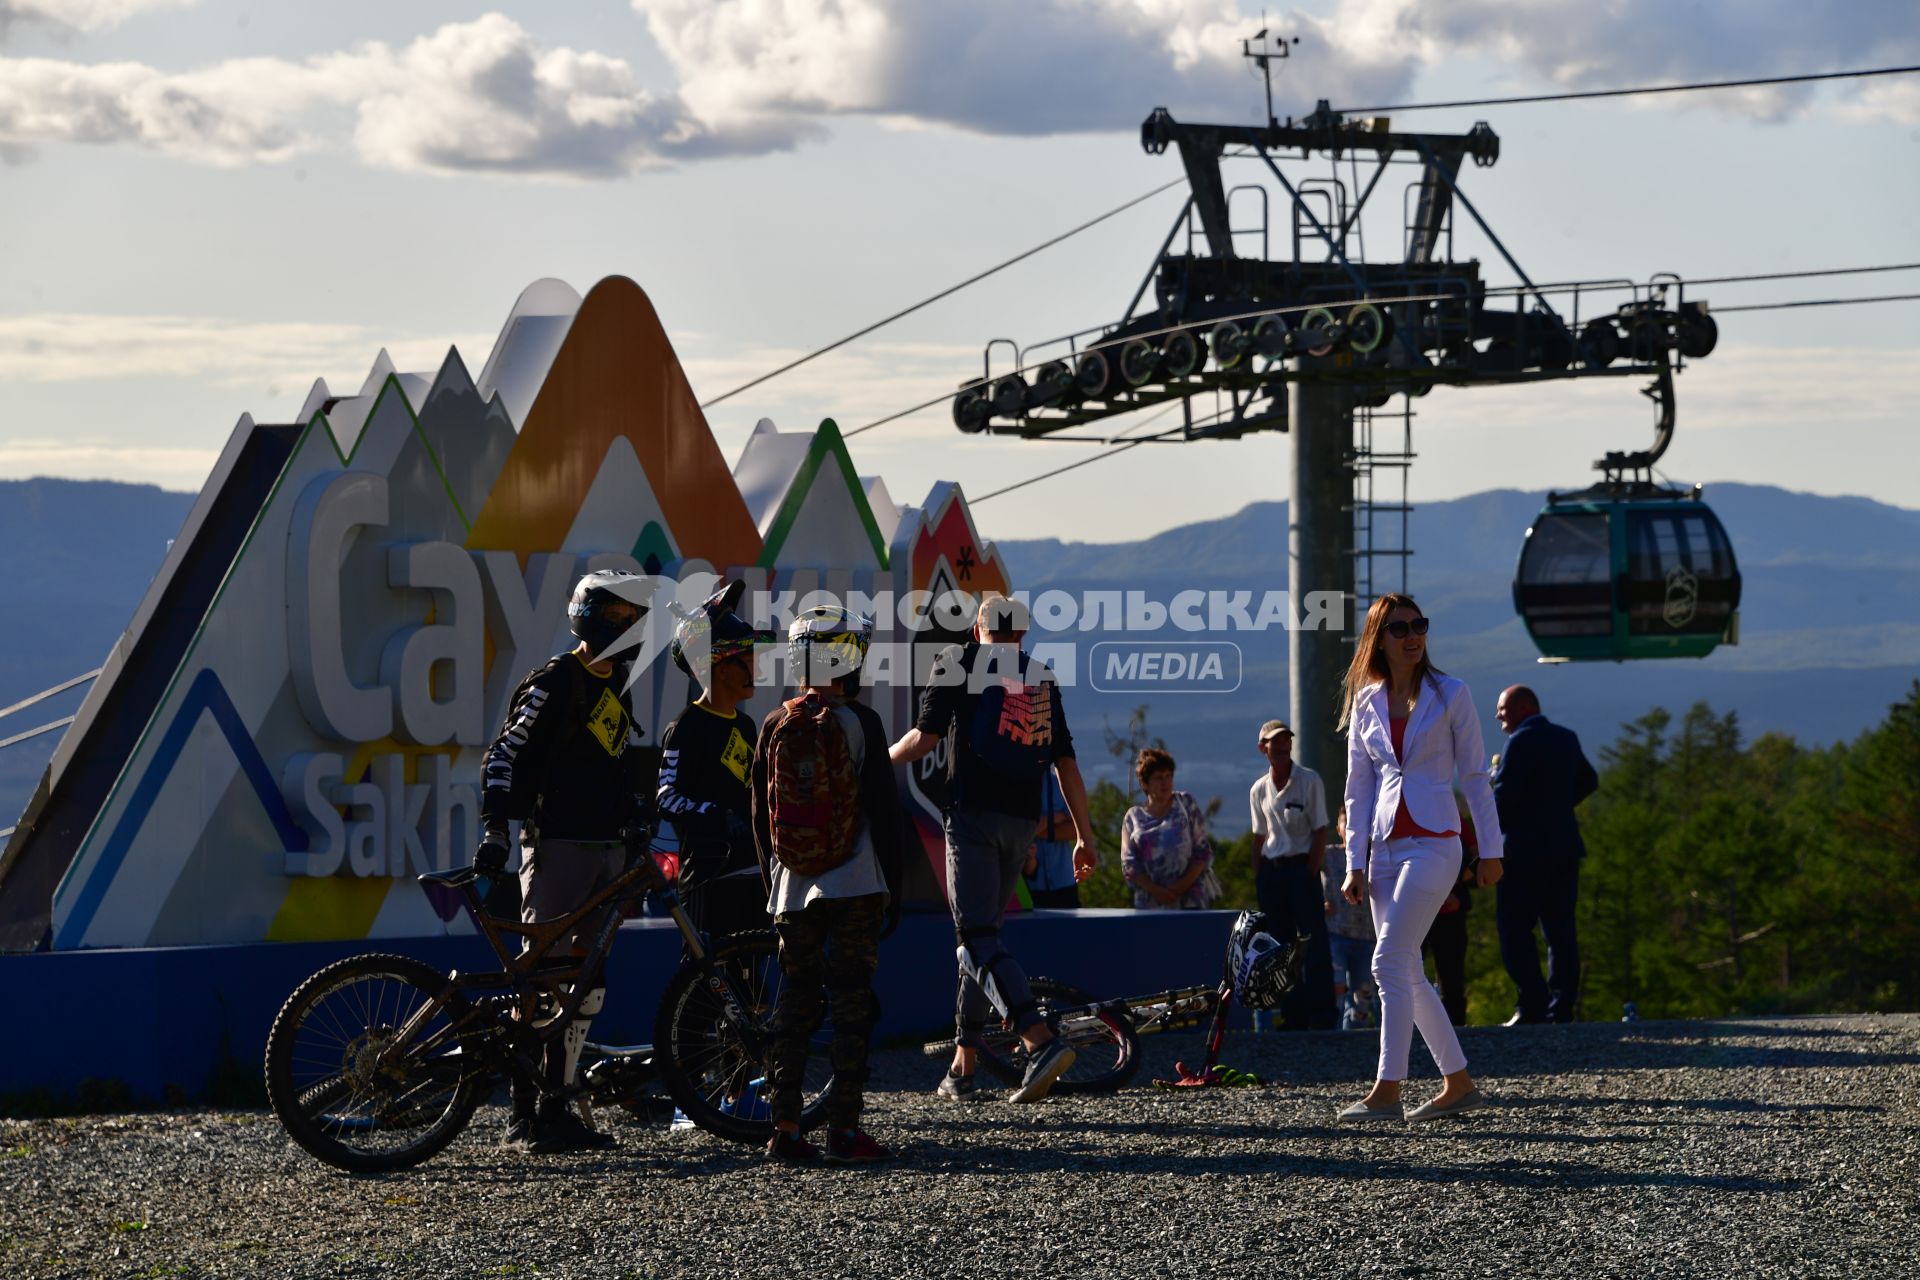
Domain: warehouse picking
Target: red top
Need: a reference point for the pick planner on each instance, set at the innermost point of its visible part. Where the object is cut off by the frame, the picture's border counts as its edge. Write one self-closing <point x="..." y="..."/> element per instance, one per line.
<point x="1403" y="823"/>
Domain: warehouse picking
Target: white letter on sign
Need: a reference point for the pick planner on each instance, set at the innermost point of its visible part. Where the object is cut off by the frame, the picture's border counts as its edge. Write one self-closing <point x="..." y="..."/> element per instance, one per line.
<point x="453" y="646"/>
<point x="330" y="510"/>
<point x="304" y="782"/>
<point x="406" y="806"/>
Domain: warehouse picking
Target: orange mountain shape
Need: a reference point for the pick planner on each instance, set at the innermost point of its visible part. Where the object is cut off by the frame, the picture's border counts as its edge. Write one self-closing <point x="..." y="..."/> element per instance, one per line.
<point x="616" y="375"/>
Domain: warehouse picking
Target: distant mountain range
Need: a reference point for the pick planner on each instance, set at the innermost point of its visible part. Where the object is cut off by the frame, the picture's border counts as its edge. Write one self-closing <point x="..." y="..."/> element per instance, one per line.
<point x="1830" y="621"/>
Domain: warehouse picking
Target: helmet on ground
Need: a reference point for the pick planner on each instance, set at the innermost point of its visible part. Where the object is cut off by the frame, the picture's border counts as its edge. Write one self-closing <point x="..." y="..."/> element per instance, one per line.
<point x="714" y="632"/>
<point x="1261" y="968"/>
<point x="606" y="604"/>
<point x="828" y="643"/>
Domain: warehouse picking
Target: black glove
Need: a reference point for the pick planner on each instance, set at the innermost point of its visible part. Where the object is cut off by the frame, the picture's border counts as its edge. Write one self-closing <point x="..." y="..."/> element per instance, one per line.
<point x="739" y="834"/>
<point x="490" y="859"/>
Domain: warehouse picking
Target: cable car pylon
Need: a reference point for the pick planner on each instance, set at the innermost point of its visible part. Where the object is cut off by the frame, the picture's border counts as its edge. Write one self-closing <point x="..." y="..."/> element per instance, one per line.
<point x="1298" y="343"/>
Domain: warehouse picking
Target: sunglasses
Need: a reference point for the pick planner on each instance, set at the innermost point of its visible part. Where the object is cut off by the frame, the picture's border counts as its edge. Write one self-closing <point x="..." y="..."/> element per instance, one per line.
<point x="1402" y="629"/>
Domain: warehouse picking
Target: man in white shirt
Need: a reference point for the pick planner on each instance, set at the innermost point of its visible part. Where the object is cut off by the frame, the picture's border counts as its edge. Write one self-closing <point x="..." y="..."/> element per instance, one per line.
<point x="1289" y="805"/>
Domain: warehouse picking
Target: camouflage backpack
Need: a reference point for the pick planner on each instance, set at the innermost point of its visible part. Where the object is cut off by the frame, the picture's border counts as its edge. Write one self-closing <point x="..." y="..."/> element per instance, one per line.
<point x="813" y="791"/>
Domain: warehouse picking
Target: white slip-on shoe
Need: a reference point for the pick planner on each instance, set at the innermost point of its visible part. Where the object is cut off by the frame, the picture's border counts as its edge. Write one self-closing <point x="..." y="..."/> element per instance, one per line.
<point x="1472" y="1100"/>
<point x="1361" y="1113"/>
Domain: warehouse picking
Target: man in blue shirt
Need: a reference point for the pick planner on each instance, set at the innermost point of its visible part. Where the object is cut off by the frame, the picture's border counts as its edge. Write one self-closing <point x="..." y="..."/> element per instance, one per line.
<point x="1049" y="869"/>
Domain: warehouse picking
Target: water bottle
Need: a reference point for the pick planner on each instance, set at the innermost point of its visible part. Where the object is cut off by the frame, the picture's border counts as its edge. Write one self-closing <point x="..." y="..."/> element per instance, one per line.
<point x="1629" y="1012"/>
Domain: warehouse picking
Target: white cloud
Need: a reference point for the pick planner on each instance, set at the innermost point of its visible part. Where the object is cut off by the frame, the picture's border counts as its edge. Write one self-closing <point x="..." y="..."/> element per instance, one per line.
<point x="1584" y="44"/>
<point x="998" y="66"/>
<point x="1045" y="66"/>
<point x="760" y="75"/>
<point x="1895" y="100"/>
<point x="80" y="15"/>
<point x="46" y="100"/>
<point x="476" y="96"/>
<point x="485" y="95"/>
<point x="284" y="357"/>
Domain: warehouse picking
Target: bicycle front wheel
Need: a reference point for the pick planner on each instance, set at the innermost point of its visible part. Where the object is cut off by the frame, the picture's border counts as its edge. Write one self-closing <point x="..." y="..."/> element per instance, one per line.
<point x="345" y="1087"/>
<point x="1106" y="1050"/>
<point x="713" y="1058"/>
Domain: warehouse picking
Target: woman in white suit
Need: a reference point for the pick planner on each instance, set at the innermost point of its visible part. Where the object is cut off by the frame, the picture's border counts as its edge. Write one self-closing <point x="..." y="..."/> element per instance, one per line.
<point x="1411" y="732"/>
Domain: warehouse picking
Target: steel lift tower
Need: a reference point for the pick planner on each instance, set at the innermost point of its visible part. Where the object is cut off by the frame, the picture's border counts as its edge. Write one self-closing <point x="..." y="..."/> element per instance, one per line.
<point x="1306" y="342"/>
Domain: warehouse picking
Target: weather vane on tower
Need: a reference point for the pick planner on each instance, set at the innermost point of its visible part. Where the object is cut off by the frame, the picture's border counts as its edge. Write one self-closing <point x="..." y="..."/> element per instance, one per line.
<point x="1264" y="58"/>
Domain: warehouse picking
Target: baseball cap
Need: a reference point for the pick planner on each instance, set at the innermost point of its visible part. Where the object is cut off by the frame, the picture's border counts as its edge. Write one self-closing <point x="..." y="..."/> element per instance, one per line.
<point x="1272" y="727"/>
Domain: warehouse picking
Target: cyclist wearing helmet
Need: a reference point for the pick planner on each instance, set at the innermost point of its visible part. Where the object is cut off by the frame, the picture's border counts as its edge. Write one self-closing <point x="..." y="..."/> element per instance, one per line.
<point x="828" y="826"/>
<point x="706" y="767"/>
<point x="566" y="766"/>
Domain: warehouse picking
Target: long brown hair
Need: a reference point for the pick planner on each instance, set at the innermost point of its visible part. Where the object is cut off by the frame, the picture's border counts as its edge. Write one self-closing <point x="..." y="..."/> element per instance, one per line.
<point x="1370" y="662"/>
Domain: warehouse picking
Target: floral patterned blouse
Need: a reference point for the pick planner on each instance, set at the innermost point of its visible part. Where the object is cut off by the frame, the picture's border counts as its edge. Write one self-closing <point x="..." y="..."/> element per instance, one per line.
<point x="1163" y="849"/>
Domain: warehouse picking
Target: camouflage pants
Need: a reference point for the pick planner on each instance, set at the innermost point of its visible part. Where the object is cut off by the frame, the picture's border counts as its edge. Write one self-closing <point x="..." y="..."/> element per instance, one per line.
<point x="828" y="952"/>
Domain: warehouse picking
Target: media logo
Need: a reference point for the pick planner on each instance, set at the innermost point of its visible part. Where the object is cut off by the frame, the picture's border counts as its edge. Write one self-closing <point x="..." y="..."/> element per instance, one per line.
<point x="1157" y="666"/>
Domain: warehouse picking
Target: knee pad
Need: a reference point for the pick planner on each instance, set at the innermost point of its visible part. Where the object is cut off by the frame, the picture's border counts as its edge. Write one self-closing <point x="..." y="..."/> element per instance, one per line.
<point x="978" y="949"/>
<point x="981" y="974"/>
<point x="575" y="1038"/>
<point x="981" y="971"/>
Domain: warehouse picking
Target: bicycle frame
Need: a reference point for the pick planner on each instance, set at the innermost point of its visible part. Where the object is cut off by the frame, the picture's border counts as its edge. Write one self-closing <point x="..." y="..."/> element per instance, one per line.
<point x="533" y="975"/>
<point x="1169" y="1010"/>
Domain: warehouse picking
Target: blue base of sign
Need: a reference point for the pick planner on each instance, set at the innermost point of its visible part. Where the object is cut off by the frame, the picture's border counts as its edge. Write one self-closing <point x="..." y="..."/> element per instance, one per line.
<point x="180" y="1024"/>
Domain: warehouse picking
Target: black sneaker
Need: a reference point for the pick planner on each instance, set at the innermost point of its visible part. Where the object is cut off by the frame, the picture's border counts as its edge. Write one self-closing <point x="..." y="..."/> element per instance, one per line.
<point x="566" y="1131"/>
<point x="1047" y="1064"/>
<point x="960" y="1088"/>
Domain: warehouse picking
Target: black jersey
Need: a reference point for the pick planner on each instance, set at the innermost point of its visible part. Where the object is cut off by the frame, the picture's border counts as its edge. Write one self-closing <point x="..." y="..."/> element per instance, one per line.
<point x="568" y="757"/>
<point x="706" y="771"/>
<point x="1027" y="730"/>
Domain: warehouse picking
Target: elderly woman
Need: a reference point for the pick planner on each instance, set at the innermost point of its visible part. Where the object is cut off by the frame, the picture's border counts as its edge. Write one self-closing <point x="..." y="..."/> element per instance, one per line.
<point x="1164" y="851"/>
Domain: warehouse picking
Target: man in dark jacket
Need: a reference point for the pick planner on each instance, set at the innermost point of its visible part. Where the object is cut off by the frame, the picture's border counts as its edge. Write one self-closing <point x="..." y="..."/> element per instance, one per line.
<point x="566" y="766"/>
<point x="1543" y="774"/>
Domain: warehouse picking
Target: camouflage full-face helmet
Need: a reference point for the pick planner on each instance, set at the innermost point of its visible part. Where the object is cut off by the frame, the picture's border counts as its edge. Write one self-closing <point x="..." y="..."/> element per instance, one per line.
<point x="828" y="643"/>
<point x="714" y="633"/>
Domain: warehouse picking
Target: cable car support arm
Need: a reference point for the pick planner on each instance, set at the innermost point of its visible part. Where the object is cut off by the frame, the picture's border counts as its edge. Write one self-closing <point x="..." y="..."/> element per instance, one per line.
<point x="1660" y="391"/>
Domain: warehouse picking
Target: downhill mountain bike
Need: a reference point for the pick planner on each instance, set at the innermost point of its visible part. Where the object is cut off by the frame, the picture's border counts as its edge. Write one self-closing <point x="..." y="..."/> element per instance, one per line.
<point x="1106" y="1034"/>
<point x="377" y="1062"/>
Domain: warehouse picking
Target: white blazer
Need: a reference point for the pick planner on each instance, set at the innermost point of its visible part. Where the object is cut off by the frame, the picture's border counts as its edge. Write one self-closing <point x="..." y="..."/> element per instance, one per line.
<point x="1442" y="742"/>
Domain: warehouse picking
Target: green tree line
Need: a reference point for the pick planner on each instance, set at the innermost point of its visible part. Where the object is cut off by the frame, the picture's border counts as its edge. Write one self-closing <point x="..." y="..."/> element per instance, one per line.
<point x="1722" y="876"/>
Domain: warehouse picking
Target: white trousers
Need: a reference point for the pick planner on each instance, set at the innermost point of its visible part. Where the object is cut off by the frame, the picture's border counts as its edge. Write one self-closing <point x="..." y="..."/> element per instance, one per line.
<point x="1407" y="882"/>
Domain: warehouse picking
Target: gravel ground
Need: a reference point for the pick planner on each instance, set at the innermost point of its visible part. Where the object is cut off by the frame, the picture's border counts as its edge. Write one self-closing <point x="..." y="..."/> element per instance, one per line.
<point x="1769" y="1147"/>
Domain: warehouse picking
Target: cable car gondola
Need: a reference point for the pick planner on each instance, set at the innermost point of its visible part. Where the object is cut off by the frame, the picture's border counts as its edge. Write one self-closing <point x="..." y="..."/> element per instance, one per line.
<point x="1629" y="568"/>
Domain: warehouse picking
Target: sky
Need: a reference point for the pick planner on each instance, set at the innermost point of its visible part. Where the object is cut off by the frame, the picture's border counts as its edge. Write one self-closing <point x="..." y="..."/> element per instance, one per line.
<point x="206" y="204"/>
